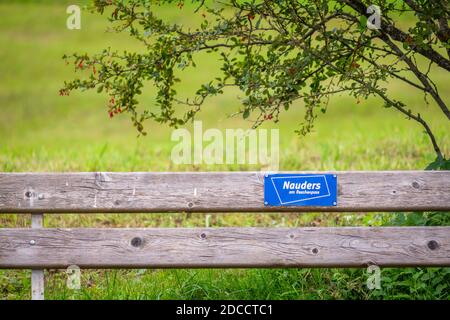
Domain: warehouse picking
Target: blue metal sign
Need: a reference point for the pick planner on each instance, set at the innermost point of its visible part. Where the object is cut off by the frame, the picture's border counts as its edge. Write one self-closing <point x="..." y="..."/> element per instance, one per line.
<point x="300" y="190"/>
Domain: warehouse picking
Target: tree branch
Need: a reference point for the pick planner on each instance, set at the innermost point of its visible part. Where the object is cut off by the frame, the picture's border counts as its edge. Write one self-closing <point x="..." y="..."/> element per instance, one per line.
<point x="390" y="30"/>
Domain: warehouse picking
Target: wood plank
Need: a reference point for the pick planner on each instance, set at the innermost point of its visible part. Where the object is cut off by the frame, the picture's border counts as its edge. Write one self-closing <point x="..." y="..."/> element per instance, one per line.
<point x="37" y="284"/>
<point x="212" y="192"/>
<point x="37" y="275"/>
<point x="225" y="247"/>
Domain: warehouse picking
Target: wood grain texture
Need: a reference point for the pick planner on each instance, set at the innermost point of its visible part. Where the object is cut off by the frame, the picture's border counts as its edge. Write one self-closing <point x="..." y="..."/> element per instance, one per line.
<point x="37" y="275"/>
<point x="212" y="192"/>
<point x="37" y="284"/>
<point x="225" y="247"/>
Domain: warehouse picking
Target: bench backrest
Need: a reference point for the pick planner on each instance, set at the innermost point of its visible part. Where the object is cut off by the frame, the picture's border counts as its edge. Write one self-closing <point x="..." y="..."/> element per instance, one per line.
<point x="212" y="192"/>
<point x="39" y="193"/>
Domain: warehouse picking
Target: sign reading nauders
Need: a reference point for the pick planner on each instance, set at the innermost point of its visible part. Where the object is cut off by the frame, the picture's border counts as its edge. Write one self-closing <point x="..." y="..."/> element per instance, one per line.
<point x="300" y="190"/>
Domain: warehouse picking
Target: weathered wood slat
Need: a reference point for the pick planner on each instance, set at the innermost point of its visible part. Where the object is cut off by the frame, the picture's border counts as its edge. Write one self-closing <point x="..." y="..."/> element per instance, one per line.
<point x="37" y="275"/>
<point x="225" y="247"/>
<point x="211" y="192"/>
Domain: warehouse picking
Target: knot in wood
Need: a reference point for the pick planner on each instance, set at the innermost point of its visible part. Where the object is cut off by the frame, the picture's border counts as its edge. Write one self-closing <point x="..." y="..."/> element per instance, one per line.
<point x="433" y="245"/>
<point x="137" y="242"/>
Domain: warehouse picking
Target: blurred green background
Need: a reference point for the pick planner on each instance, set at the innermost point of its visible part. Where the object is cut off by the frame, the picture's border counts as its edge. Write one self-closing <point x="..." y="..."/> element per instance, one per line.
<point x="42" y="131"/>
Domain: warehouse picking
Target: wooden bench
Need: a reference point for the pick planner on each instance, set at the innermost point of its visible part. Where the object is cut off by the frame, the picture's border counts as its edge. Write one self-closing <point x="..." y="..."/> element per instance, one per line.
<point x="38" y="248"/>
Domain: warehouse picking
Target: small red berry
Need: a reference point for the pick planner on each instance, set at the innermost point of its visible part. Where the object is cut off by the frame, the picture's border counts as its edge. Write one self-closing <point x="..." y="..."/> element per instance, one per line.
<point x="354" y="65"/>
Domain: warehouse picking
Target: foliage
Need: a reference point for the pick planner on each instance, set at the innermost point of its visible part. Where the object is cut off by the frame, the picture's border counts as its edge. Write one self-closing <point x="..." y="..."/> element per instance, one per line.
<point x="275" y="52"/>
<point x="423" y="283"/>
<point x="439" y="164"/>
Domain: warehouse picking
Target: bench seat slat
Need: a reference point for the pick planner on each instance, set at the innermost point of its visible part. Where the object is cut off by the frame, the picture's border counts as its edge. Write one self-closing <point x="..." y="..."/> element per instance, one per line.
<point x="212" y="192"/>
<point x="224" y="247"/>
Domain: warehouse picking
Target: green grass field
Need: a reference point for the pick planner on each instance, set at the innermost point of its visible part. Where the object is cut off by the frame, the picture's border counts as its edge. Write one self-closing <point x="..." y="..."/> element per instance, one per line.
<point x="42" y="131"/>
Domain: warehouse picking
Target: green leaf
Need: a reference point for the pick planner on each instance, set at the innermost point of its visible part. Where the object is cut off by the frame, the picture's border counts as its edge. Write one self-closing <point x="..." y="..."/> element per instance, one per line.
<point x="363" y="22"/>
<point x="439" y="164"/>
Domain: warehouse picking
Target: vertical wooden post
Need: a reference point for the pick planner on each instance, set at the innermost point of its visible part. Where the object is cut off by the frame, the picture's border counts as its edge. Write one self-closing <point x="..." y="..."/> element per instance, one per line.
<point x="37" y="275"/>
